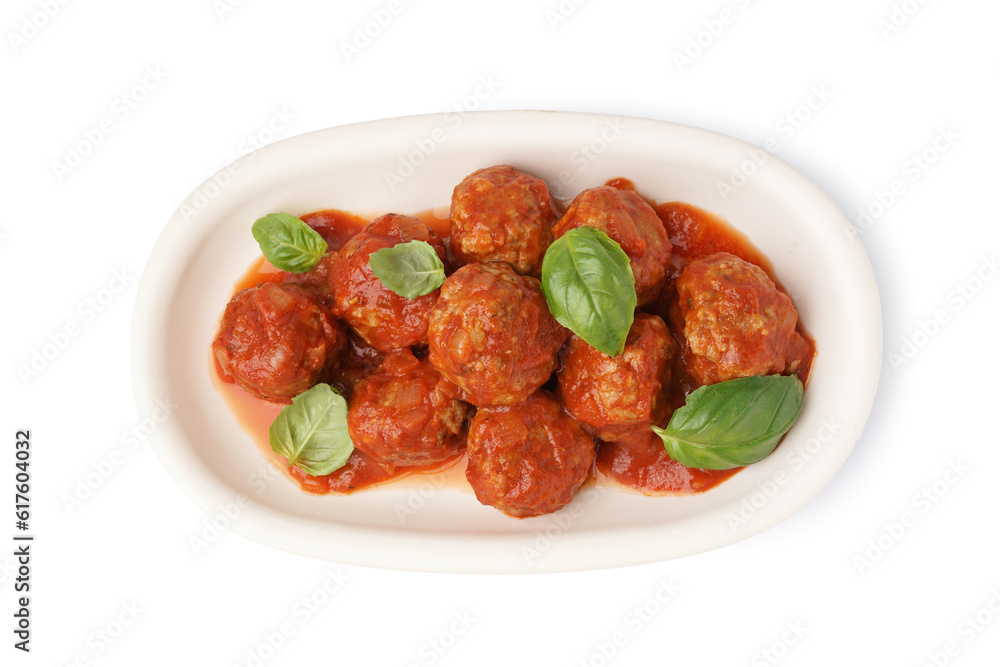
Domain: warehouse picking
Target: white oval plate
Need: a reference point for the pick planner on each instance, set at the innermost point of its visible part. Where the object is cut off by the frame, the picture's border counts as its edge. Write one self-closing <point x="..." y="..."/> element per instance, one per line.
<point x="412" y="164"/>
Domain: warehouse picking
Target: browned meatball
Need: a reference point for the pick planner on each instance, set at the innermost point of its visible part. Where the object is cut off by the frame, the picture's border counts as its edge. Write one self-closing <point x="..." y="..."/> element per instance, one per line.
<point x="385" y="319"/>
<point x="618" y="397"/>
<point x="631" y="222"/>
<point x="527" y="459"/>
<point x="502" y="214"/>
<point x="276" y="341"/>
<point x="736" y="323"/>
<point x="316" y="279"/>
<point x="492" y="334"/>
<point x="406" y="414"/>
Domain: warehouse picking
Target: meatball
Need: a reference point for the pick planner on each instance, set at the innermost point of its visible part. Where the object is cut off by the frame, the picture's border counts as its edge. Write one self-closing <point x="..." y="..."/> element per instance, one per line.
<point x="615" y="397"/>
<point x="405" y="414"/>
<point x="641" y="462"/>
<point x="736" y="323"/>
<point x="631" y="222"/>
<point x="502" y="214"/>
<point x="316" y="279"/>
<point x="276" y="341"/>
<point x="491" y="333"/>
<point x="527" y="459"/>
<point x="385" y="319"/>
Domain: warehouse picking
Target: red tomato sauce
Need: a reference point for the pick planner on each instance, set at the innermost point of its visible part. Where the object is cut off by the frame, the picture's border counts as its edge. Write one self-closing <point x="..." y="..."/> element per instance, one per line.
<point x="641" y="465"/>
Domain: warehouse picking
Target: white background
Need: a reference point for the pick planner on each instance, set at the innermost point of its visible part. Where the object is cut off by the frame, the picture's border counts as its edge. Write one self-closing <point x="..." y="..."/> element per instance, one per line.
<point x="892" y="563"/>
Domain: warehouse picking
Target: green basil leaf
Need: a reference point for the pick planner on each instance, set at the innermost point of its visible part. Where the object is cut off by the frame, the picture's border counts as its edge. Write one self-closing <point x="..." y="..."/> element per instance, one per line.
<point x="288" y="243"/>
<point x="589" y="287"/>
<point x="733" y="423"/>
<point x="312" y="433"/>
<point x="409" y="269"/>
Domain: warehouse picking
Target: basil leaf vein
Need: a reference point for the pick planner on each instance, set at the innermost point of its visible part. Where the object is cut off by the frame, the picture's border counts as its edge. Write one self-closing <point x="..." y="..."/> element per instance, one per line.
<point x="312" y="432"/>
<point x="409" y="269"/>
<point x="288" y="243"/>
<point x="589" y="287"/>
<point x="733" y="423"/>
